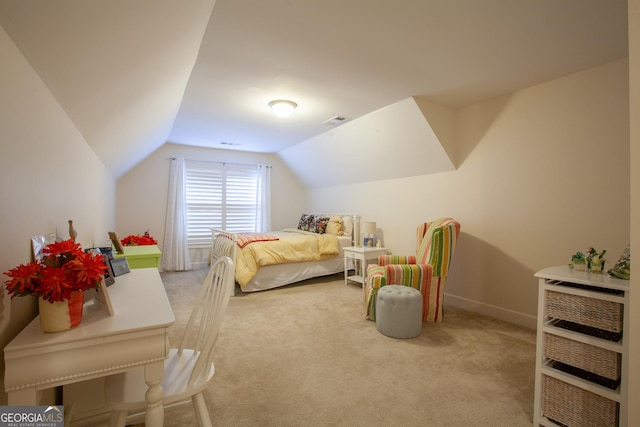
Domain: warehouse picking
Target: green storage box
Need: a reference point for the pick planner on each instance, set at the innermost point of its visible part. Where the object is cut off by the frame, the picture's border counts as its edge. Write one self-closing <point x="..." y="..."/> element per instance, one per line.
<point x="141" y="256"/>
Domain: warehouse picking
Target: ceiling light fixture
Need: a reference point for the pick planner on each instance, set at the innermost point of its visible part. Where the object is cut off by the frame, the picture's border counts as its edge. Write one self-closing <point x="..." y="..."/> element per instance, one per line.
<point x="282" y="107"/>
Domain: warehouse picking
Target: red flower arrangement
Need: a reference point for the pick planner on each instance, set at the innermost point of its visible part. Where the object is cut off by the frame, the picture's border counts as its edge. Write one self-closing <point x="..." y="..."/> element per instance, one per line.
<point x="137" y="240"/>
<point x="64" y="268"/>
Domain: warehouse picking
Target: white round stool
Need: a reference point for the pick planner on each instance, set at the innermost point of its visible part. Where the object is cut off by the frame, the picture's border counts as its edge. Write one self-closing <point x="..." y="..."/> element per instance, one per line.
<point x="399" y="311"/>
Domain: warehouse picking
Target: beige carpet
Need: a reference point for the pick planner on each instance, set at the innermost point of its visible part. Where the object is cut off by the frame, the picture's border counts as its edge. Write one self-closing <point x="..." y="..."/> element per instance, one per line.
<point x="304" y="355"/>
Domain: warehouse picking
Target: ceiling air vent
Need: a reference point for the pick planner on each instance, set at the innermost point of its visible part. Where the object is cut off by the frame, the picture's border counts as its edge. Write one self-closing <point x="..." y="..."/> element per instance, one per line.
<point x="335" y="121"/>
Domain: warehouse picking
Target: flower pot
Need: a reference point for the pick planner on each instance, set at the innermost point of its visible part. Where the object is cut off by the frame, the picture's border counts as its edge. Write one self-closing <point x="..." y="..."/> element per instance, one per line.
<point x="597" y="265"/>
<point x="580" y="266"/>
<point x="61" y="315"/>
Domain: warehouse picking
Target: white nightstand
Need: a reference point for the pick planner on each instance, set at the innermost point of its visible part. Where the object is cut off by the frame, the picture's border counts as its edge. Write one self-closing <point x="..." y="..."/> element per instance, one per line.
<point x="360" y="254"/>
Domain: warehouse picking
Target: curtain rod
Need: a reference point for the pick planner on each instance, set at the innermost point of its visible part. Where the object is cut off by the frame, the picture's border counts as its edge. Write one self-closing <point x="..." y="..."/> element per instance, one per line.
<point x="221" y="163"/>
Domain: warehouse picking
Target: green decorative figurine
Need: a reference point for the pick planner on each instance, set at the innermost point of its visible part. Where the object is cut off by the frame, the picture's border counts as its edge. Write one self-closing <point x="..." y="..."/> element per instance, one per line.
<point x="589" y="261"/>
<point x="595" y="260"/>
<point x="622" y="268"/>
<point x="579" y="261"/>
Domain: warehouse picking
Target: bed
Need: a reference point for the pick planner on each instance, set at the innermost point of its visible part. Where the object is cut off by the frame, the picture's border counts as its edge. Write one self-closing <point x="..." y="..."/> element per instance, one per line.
<point x="269" y="260"/>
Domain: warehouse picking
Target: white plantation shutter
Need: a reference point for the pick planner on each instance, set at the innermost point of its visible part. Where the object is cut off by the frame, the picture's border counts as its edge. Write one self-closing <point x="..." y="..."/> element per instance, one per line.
<point x="221" y="196"/>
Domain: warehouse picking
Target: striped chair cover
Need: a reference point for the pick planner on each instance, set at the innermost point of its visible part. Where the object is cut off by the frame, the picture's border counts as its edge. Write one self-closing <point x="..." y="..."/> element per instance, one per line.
<point x="426" y="271"/>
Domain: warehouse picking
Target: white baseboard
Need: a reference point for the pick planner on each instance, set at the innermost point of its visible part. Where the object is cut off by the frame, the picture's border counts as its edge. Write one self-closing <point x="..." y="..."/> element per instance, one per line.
<point x="489" y="310"/>
<point x="199" y="264"/>
<point x="101" y="418"/>
<point x="98" y="419"/>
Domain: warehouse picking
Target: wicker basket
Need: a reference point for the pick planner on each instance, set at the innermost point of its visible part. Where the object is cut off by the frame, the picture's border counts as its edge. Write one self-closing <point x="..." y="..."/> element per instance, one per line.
<point x="574" y="407"/>
<point x="595" y="364"/>
<point x="600" y="315"/>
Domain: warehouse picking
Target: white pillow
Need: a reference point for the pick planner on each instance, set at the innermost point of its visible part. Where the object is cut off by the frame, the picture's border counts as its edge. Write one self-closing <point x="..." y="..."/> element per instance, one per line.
<point x="347" y="225"/>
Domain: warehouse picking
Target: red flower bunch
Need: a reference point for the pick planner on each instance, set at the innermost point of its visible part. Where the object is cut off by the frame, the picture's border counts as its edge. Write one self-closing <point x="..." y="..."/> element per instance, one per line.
<point x="136" y="240"/>
<point x="64" y="268"/>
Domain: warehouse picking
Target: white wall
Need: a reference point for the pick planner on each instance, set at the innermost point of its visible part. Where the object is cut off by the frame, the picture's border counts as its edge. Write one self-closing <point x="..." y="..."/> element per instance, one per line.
<point x="350" y="153"/>
<point x="142" y="192"/>
<point x="634" y="94"/>
<point x="542" y="173"/>
<point x="48" y="175"/>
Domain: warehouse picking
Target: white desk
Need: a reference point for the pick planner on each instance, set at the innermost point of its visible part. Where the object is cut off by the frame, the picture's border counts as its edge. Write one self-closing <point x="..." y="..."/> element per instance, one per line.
<point x="100" y="346"/>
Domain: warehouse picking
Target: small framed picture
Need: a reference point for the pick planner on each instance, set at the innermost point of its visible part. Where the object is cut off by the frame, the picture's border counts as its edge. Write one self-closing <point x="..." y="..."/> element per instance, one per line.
<point x="38" y="243"/>
<point x="109" y="277"/>
<point x="106" y="250"/>
<point x="116" y="242"/>
<point x="108" y="274"/>
<point x="119" y="266"/>
<point x="102" y="296"/>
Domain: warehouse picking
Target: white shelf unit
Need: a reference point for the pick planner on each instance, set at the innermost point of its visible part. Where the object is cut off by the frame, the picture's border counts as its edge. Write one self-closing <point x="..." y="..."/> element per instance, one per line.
<point x="596" y="288"/>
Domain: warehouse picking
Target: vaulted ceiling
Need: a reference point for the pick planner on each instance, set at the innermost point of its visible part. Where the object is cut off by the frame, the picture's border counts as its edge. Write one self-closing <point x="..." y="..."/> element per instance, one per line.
<point x="133" y="75"/>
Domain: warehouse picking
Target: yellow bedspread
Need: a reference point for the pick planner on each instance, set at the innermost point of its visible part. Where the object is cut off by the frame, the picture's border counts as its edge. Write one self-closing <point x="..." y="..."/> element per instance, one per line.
<point x="293" y="246"/>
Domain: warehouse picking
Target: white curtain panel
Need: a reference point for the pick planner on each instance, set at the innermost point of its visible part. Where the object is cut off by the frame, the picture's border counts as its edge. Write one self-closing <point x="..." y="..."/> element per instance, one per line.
<point x="263" y="221"/>
<point x="175" y="251"/>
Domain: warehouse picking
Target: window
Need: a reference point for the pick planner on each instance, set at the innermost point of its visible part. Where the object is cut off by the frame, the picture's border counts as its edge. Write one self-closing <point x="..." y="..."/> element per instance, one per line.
<point x="221" y="195"/>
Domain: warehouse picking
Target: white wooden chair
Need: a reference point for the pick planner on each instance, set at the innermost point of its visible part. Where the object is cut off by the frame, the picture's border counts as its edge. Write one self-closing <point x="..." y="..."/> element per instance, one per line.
<point x="189" y="368"/>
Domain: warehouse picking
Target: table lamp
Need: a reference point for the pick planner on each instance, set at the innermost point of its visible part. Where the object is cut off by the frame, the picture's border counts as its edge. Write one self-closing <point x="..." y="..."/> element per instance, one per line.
<point x="368" y="232"/>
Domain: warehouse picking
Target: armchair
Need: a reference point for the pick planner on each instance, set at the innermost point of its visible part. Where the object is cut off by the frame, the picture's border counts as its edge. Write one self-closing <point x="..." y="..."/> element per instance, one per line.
<point x="426" y="271"/>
